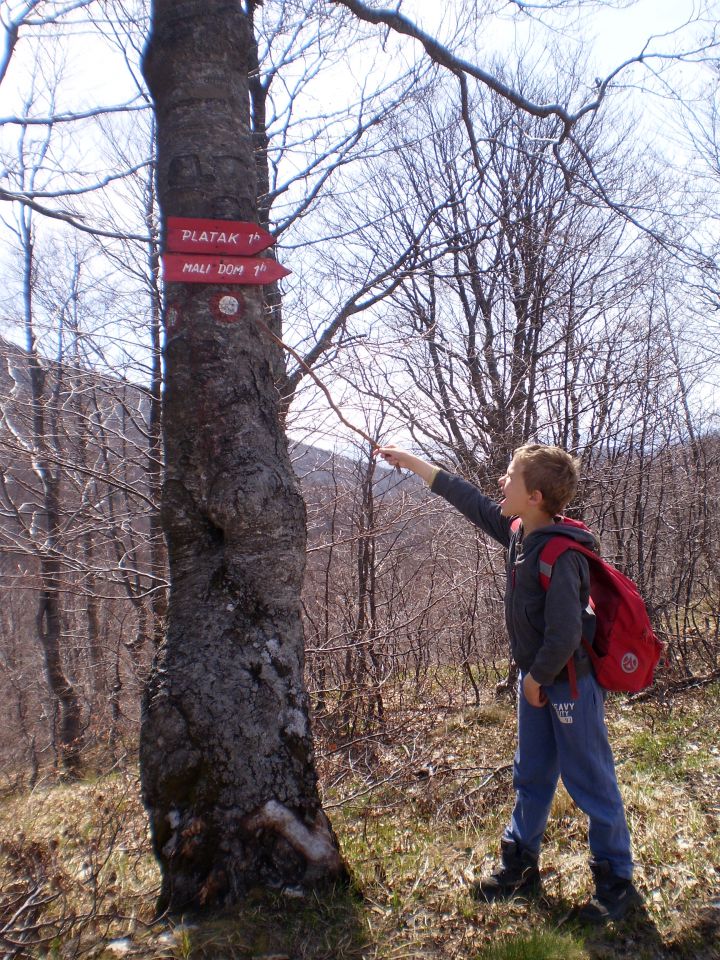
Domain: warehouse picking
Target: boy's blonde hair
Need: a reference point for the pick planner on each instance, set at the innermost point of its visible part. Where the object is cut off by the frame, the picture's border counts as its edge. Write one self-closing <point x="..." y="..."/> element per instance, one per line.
<point x="552" y="471"/>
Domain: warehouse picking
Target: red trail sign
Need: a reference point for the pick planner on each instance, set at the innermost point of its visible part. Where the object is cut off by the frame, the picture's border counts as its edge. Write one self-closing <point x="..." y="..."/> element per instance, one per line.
<point x="188" y="268"/>
<point x="235" y="237"/>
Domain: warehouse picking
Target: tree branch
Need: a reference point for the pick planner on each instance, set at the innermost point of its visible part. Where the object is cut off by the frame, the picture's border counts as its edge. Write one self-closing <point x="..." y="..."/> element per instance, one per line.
<point x="457" y="65"/>
<point x="27" y="201"/>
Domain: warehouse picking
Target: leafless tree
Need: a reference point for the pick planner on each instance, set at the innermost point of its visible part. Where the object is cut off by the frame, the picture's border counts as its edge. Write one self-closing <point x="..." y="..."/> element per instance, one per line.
<point x="476" y="278"/>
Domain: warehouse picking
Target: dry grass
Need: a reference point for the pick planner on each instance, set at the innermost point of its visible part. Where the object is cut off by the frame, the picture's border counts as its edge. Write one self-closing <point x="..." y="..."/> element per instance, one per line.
<point x="419" y="813"/>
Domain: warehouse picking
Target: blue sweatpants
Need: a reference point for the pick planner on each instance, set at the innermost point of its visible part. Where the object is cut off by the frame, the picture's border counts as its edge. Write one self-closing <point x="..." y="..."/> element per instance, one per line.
<point x="568" y="738"/>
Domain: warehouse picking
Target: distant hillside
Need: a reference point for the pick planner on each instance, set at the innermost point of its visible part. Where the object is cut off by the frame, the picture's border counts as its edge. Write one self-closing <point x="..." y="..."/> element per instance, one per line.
<point x="316" y="466"/>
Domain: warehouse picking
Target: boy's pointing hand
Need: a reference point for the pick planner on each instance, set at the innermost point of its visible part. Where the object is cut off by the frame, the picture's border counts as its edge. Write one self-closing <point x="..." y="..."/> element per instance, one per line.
<point x="397" y="457"/>
<point x="393" y="455"/>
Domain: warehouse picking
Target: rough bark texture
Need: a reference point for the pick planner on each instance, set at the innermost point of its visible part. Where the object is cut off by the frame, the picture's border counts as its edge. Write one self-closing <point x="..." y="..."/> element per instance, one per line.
<point x="226" y="751"/>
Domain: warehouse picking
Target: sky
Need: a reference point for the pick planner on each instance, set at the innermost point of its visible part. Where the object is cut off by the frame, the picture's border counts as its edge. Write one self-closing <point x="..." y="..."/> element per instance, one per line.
<point x="97" y="72"/>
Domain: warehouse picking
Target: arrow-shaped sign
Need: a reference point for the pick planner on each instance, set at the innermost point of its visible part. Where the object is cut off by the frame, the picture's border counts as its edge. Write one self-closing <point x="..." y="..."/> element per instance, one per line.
<point x="187" y="268"/>
<point x="235" y="237"/>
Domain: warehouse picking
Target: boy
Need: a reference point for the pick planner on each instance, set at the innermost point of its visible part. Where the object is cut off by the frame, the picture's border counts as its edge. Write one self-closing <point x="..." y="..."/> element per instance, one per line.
<point x="557" y="735"/>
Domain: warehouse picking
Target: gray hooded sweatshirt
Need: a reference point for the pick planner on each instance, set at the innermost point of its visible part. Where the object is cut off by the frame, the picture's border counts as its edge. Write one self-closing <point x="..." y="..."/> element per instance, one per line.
<point x="545" y="627"/>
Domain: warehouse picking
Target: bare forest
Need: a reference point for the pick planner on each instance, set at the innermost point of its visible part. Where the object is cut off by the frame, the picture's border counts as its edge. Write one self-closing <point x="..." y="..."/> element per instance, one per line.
<point x="471" y="269"/>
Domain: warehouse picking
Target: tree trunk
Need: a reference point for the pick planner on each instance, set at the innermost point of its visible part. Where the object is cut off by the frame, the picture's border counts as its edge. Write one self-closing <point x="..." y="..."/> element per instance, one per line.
<point x="158" y="600"/>
<point x="44" y="409"/>
<point x="226" y="751"/>
<point x="70" y="738"/>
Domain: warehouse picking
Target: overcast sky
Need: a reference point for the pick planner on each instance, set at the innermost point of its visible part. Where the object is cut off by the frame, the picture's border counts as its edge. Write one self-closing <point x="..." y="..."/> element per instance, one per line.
<point x="96" y="71"/>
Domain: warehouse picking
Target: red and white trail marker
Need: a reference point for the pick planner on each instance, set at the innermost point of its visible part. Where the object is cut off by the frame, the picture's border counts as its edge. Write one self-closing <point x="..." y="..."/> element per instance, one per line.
<point x="227" y="307"/>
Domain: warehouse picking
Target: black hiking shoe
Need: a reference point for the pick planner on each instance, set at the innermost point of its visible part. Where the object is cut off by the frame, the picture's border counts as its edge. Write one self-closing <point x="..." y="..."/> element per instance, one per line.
<point x="614" y="896"/>
<point x="517" y="876"/>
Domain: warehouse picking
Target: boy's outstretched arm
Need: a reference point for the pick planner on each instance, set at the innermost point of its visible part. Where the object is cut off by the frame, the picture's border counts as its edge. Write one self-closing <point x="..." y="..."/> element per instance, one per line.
<point x="465" y="497"/>
<point x="397" y="457"/>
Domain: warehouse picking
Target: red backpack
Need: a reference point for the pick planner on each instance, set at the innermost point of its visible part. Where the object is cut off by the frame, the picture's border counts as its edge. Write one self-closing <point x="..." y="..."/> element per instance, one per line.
<point x="625" y="651"/>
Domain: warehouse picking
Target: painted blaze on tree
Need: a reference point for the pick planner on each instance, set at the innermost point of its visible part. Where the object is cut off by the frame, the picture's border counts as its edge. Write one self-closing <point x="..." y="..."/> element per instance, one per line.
<point x="226" y="752"/>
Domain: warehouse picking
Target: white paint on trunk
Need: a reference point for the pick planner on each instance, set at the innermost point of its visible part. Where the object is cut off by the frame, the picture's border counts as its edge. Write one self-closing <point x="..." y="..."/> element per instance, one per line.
<point x="316" y="844"/>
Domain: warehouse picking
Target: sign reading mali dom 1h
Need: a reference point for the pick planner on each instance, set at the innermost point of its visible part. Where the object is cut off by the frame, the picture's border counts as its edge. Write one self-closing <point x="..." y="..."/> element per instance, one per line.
<point x="217" y="251"/>
<point x="190" y="268"/>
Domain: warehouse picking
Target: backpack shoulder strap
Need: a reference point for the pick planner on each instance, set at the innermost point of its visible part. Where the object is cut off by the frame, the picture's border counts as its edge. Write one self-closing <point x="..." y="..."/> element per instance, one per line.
<point x="554" y="548"/>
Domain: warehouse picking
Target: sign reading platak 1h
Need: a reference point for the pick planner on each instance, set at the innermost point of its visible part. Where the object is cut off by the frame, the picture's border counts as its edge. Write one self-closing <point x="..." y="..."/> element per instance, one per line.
<point x="216" y="251"/>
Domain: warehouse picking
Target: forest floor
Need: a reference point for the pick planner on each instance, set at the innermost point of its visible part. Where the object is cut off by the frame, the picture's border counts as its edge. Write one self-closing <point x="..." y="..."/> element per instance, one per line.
<point x="418" y="810"/>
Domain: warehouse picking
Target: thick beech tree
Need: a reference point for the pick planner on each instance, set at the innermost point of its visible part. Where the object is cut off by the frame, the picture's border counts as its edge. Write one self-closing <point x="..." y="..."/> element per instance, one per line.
<point x="226" y="752"/>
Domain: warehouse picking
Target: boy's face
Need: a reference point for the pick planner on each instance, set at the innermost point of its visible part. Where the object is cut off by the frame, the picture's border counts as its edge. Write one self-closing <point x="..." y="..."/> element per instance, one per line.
<point x="517" y="499"/>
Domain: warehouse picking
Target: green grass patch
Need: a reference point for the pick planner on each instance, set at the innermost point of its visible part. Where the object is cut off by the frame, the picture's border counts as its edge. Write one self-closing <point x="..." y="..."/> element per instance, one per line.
<point x="419" y="815"/>
<point x="672" y="745"/>
<point x="318" y="927"/>
<point x="657" y="753"/>
<point x="541" y="945"/>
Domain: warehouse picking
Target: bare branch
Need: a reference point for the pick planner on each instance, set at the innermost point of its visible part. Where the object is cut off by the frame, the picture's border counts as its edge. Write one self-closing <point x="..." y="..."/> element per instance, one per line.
<point x="130" y="107"/>
<point x="73" y="219"/>
<point x="458" y="65"/>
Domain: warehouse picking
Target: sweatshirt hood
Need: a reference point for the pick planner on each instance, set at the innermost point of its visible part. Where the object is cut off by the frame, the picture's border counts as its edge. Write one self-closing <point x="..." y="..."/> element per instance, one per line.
<point x="573" y="529"/>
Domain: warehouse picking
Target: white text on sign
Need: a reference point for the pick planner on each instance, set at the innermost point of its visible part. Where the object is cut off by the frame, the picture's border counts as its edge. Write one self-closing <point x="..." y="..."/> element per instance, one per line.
<point x="187" y="268"/>
<point x="218" y="237"/>
<point x="201" y="236"/>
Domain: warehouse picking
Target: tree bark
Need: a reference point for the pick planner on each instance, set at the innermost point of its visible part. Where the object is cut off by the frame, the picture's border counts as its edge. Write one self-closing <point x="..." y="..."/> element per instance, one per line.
<point x="226" y="752"/>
